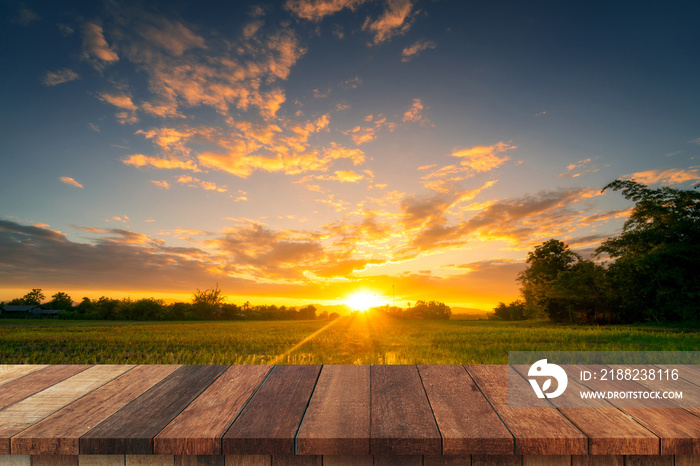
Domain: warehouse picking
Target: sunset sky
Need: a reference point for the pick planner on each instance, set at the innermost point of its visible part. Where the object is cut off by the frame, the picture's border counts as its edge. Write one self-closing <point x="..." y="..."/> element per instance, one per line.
<point x="302" y="151"/>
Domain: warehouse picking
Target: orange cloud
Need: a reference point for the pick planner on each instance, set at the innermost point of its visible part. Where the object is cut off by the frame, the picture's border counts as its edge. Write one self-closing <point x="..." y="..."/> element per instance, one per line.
<point x="95" y="47"/>
<point x="161" y="184"/>
<point x="172" y="36"/>
<point x="140" y="160"/>
<point x="316" y="10"/>
<point x="70" y="181"/>
<point x="670" y="176"/>
<point x="484" y="158"/>
<point x="395" y="20"/>
<point x="580" y="168"/>
<point x="54" y="78"/>
<point x="121" y="101"/>
<point x="415" y="49"/>
<point x="414" y="113"/>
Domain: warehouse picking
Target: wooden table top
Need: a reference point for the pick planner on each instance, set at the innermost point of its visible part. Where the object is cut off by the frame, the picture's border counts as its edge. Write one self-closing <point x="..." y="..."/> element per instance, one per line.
<point x="312" y="410"/>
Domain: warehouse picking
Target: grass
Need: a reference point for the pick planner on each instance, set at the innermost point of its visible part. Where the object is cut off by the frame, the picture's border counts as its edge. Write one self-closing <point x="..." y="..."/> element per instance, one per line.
<point x="357" y="339"/>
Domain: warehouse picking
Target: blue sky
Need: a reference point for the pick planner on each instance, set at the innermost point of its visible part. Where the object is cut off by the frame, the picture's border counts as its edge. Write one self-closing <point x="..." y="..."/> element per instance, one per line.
<point x="305" y="150"/>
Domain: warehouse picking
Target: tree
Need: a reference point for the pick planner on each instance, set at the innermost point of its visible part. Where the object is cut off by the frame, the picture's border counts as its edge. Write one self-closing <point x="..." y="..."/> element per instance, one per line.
<point x="208" y="302"/>
<point x="517" y="310"/>
<point x="307" y="312"/>
<point x="34" y="297"/>
<point x="61" y="301"/>
<point x="657" y="255"/>
<point x="545" y="263"/>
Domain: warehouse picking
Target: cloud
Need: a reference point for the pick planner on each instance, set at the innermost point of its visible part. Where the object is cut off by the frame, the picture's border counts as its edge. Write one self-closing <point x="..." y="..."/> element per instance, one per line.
<point x="197" y="183"/>
<point x="484" y="158"/>
<point x="396" y="19"/>
<point x="65" y="29"/>
<point x="70" y="181"/>
<point x="352" y="83"/>
<point x="161" y="184"/>
<point x="316" y="10"/>
<point x="580" y="168"/>
<point x="54" y="78"/>
<point x="140" y="160"/>
<point x="415" y="49"/>
<point x="414" y="113"/>
<point x="670" y="176"/>
<point x="122" y="101"/>
<point x="95" y="47"/>
<point x="171" y="36"/>
<point x="25" y="16"/>
<point x="365" y="133"/>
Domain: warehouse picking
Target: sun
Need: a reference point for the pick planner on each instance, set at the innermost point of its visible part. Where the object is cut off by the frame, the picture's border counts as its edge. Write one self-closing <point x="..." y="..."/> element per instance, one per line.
<point x="363" y="301"/>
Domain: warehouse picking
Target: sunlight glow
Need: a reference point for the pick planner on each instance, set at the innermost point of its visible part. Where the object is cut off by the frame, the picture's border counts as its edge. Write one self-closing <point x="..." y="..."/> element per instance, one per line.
<point x="363" y="301"/>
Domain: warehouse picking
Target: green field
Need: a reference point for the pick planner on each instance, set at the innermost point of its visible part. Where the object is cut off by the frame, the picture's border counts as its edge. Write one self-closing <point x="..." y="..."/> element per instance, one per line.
<point x="349" y="340"/>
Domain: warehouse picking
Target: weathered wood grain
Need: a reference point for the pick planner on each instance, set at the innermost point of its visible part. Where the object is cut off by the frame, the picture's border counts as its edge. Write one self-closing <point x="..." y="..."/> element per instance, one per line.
<point x="15" y="460"/>
<point x="648" y="460"/>
<point x="687" y="460"/>
<point x="398" y="460"/>
<point x="293" y="460"/>
<point x="55" y="460"/>
<point x="352" y="460"/>
<point x="547" y="460"/>
<point x="248" y="460"/>
<point x="59" y="433"/>
<point x="199" y="428"/>
<point x="199" y="460"/>
<point x="537" y="431"/>
<point x="497" y="460"/>
<point x="609" y="430"/>
<point x="10" y="372"/>
<point x="101" y="460"/>
<point x="269" y="423"/>
<point x="447" y="460"/>
<point x="402" y="422"/>
<point x="150" y="460"/>
<point x="591" y="460"/>
<point x="337" y="419"/>
<point x="131" y="430"/>
<point x="36" y="381"/>
<point x="25" y="413"/>
<point x="467" y="422"/>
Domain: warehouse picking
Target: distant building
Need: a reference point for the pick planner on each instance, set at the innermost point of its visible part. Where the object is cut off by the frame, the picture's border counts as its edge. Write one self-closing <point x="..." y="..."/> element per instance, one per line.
<point x="13" y="310"/>
<point x="28" y="311"/>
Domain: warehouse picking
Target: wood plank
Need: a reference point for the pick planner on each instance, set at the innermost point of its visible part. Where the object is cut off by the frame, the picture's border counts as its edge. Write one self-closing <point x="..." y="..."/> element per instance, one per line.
<point x="609" y="430"/>
<point x="199" y="428"/>
<point x="294" y="460"/>
<point x="248" y="460"/>
<point x="687" y="460"/>
<point x="59" y="434"/>
<point x="10" y="372"/>
<point x="678" y="429"/>
<point x="352" y="460"/>
<point x="337" y="420"/>
<point x="149" y="460"/>
<point x="402" y="422"/>
<point x="55" y="460"/>
<point x="648" y="460"/>
<point x="131" y="430"/>
<point x="538" y="431"/>
<point x="547" y="460"/>
<point x="588" y="460"/>
<point x="25" y="413"/>
<point x="15" y="460"/>
<point x="447" y="460"/>
<point x="398" y="460"/>
<point x="199" y="460"/>
<point x="467" y="422"/>
<point x="497" y="460"/>
<point x="101" y="460"/>
<point x="269" y="423"/>
<point x="33" y="383"/>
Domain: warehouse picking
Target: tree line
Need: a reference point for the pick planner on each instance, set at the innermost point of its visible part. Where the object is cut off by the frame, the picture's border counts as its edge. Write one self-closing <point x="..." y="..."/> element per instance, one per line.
<point x="428" y="310"/>
<point x="652" y="274"/>
<point x="208" y="304"/>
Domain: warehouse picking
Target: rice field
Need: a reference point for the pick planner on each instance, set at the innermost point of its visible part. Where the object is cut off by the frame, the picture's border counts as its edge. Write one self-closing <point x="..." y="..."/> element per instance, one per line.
<point x="358" y="339"/>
